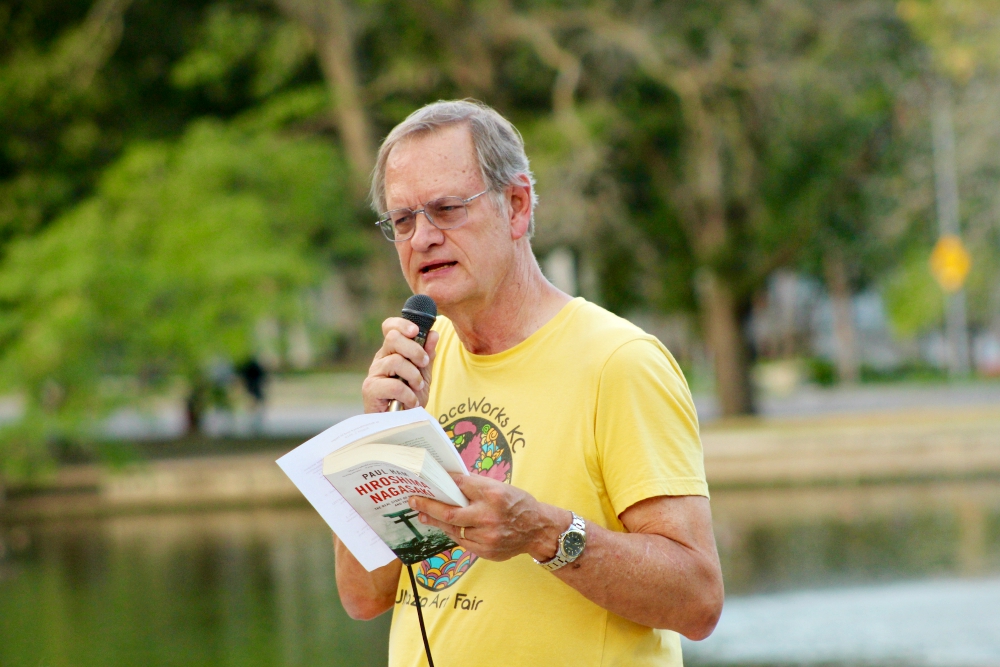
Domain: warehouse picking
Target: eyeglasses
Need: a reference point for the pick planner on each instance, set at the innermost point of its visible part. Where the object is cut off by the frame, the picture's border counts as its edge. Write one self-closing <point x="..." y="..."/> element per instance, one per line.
<point x="445" y="213"/>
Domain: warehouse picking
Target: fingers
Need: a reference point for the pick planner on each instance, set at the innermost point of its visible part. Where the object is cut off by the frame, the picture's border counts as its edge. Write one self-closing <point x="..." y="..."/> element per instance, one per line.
<point x="404" y="326"/>
<point x="401" y="369"/>
<point x="451" y="518"/>
<point x="449" y="515"/>
<point x="483" y="536"/>
<point x="458" y="528"/>
<point x="432" y="341"/>
<point x="430" y="347"/>
<point x="477" y="487"/>
<point x="395" y="366"/>
<point x="380" y="391"/>
<point x="396" y="342"/>
<point x="451" y="530"/>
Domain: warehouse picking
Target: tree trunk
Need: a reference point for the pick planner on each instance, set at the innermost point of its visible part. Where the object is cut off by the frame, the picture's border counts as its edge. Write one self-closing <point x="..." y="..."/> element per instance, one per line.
<point x="195" y="407"/>
<point x="710" y="236"/>
<point x="336" y="55"/>
<point x="724" y="335"/>
<point x="330" y="24"/>
<point x="844" y="332"/>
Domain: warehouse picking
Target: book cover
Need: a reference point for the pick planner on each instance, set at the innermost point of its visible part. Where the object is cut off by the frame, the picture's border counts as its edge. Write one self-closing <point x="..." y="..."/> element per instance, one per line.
<point x="379" y="492"/>
<point x="304" y="467"/>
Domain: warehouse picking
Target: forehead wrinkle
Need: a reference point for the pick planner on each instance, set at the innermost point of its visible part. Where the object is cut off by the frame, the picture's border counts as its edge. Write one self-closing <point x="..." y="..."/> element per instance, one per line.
<point x="425" y="167"/>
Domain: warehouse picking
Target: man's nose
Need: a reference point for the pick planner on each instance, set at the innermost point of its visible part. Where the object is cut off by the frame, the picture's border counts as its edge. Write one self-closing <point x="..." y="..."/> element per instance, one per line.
<point x="425" y="235"/>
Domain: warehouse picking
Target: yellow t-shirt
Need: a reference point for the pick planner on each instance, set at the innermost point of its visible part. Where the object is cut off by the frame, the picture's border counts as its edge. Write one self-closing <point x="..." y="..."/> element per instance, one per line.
<point x="589" y="414"/>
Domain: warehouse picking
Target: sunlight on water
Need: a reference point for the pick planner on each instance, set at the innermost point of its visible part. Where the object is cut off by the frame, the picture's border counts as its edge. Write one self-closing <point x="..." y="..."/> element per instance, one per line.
<point x="840" y="544"/>
<point x="951" y="623"/>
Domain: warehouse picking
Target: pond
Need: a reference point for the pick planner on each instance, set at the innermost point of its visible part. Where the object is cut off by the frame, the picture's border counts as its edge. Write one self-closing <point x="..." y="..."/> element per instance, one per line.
<point x="256" y="587"/>
<point x="888" y="574"/>
<point x="229" y="588"/>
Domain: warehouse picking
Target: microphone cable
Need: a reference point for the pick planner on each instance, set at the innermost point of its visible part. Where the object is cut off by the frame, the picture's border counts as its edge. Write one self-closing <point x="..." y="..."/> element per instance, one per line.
<point x="420" y="615"/>
<point x="422" y="311"/>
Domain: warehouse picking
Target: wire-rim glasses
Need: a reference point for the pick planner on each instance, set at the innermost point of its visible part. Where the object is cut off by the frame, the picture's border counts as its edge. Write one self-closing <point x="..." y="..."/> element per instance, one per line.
<point x="400" y="224"/>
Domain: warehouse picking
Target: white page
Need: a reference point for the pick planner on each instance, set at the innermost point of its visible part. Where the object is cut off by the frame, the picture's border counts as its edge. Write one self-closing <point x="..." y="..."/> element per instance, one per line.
<point x="304" y="466"/>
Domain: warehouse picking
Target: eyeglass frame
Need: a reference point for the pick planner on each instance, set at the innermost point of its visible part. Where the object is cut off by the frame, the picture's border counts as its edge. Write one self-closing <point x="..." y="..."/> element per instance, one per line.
<point x="386" y="216"/>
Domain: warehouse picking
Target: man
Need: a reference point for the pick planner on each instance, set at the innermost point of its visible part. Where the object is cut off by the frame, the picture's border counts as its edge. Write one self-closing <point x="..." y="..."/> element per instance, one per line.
<point x="588" y="538"/>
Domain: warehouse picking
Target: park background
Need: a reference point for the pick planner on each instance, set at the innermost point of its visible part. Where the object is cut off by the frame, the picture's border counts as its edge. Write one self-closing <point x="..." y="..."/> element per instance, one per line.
<point x="799" y="198"/>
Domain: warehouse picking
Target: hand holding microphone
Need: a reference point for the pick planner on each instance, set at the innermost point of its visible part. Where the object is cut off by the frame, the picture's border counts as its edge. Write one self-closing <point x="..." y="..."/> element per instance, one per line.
<point x="400" y="374"/>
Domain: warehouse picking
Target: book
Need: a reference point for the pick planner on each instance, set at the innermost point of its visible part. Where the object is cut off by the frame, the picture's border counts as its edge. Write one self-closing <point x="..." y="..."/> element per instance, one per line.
<point x="378" y="479"/>
<point x="360" y="473"/>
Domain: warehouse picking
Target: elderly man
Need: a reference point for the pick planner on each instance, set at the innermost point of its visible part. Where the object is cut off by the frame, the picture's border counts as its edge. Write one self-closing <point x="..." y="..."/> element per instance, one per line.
<point x="588" y="537"/>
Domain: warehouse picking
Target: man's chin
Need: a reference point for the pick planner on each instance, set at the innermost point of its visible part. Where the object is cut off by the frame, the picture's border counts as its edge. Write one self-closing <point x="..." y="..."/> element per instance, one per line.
<point x="444" y="295"/>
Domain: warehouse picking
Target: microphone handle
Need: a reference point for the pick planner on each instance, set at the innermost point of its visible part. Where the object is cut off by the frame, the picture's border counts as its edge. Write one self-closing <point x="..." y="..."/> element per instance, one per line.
<point x="421" y="338"/>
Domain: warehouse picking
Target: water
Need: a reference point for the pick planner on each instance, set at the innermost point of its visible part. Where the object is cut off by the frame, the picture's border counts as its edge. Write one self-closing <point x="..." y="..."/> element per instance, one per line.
<point x="876" y="575"/>
<point x="937" y="623"/>
<point x="240" y="588"/>
<point x="899" y="574"/>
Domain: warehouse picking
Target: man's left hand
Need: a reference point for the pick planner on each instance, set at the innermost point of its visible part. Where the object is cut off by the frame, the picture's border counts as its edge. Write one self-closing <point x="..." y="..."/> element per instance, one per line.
<point x="500" y="522"/>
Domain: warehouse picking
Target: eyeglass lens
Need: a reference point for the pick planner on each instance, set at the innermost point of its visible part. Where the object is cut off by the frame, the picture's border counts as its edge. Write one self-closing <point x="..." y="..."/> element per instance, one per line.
<point x="444" y="213"/>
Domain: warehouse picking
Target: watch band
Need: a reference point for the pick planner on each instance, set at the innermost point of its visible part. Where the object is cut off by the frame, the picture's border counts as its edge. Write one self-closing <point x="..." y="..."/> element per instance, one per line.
<point x="578" y="525"/>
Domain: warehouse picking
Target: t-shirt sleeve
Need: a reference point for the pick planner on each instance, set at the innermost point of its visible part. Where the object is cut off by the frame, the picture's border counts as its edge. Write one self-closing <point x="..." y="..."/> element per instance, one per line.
<point x="647" y="428"/>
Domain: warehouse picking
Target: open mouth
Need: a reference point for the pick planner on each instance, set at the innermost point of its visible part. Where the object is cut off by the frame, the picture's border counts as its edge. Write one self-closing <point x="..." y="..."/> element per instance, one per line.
<point x="437" y="267"/>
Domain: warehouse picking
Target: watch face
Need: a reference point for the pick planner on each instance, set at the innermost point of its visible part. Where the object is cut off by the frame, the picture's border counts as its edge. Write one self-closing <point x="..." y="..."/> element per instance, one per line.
<point x="573" y="544"/>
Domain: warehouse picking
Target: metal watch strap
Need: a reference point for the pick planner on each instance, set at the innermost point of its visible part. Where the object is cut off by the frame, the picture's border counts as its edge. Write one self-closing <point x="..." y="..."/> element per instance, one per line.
<point x="560" y="559"/>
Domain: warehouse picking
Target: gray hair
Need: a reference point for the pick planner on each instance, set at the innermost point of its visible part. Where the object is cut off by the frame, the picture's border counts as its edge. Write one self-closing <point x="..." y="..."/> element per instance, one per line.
<point x="499" y="148"/>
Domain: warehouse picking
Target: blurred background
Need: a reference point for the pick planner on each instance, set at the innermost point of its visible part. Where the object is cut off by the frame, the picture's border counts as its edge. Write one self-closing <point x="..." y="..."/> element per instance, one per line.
<point x="801" y="199"/>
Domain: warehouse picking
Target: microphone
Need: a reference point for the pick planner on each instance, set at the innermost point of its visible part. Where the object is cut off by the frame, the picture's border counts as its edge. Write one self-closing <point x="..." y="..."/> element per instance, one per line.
<point x="422" y="311"/>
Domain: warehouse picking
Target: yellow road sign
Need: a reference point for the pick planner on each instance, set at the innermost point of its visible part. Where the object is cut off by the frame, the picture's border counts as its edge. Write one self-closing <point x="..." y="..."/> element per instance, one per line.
<point x="950" y="263"/>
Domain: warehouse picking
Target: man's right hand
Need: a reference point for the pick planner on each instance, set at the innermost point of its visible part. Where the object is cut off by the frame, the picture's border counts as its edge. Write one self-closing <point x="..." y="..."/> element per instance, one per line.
<point x="401" y="369"/>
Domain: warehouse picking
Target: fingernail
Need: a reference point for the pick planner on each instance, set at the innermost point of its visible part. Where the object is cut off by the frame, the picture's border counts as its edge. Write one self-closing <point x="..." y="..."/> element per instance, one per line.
<point x="426" y="359"/>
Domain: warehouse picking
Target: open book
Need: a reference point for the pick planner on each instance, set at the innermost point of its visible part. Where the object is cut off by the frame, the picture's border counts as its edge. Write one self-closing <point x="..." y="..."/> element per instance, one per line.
<point x="360" y="473"/>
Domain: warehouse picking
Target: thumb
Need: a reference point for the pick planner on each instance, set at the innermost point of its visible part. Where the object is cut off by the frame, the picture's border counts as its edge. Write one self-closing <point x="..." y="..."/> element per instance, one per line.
<point x="430" y="346"/>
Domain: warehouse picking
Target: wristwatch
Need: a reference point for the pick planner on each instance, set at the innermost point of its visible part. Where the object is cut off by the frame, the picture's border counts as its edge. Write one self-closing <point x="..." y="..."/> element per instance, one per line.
<point x="571" y="544"/>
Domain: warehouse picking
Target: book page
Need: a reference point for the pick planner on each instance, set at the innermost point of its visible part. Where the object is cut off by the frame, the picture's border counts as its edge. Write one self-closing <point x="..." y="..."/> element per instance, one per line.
<point x="304" y="466"/>
<point x="429" y="436"/>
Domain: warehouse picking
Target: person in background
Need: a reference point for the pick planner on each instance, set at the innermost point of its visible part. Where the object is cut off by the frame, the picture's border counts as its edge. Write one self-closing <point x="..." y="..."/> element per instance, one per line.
<point x="254" y="378"/>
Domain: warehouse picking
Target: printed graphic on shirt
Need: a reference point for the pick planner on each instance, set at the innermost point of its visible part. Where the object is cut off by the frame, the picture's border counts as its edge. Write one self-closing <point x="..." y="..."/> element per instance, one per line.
<point x="482" y="446"/>
<point x="485" y="451"/>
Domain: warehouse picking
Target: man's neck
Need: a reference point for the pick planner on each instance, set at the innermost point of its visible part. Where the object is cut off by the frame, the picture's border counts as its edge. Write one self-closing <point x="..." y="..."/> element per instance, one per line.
<point x="522" y="304"/>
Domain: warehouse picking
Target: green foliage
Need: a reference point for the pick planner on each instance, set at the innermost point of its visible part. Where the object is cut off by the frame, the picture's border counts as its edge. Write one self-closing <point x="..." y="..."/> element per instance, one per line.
<point x="822" y="372"/>
<point x="913" y="299"/>
<point x="963" y="35"/>
<point x="909" y="372"/>
<point x="172" y="262"/>
<point x="228" y="40"/>
<point x="619" y="277"/>
<point x="833" y="136"/>
<point x="167" y="176"/>
<point x="645" y="142"/>
<point x="76" y="89"/>
<point x="232" y="45"/>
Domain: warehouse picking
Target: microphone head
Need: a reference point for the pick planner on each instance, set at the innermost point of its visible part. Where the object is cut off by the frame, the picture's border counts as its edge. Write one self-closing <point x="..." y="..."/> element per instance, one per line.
<point x="421" y="310"/>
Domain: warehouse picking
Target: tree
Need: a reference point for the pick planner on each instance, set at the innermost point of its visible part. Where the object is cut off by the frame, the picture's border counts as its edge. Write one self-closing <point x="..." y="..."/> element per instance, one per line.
<point x="833" y="139"/>
<point x="168" y="266"/>
<point x="961" y="88"/>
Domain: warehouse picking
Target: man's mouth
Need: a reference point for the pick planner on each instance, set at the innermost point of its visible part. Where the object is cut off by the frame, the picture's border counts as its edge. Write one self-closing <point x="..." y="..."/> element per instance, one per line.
<point x="436" y="267"/>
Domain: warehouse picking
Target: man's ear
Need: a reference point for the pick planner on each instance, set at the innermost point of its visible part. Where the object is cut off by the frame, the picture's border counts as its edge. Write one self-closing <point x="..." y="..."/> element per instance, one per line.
<point x="520" y="207"/>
